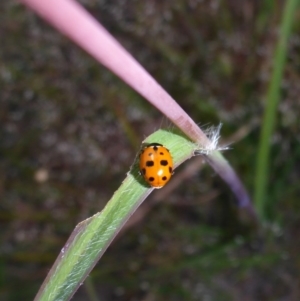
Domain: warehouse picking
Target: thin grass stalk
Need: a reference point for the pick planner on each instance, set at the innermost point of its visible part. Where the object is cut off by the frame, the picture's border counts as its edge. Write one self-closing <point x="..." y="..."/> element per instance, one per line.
<point x="269" y="118"/>
<point x="70" y="18"/>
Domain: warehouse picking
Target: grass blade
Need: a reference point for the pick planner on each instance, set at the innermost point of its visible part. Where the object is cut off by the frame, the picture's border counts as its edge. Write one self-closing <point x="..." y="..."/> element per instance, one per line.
<point x="273" y="94"/>
<point x="91" y="237"/>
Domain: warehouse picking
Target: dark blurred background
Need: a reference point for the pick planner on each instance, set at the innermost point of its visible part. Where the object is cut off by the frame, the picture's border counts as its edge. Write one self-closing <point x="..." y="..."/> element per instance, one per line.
<point x="70" y="131"/>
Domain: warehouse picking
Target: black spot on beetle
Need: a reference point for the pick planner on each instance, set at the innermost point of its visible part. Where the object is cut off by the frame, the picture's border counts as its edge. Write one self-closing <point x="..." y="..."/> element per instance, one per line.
<point x="151" y="179"/>
<point x="164" y="178"/>
<point x="143" y="171"/>
<point x="164" y="162"/>
<point x="149" y="163"/>
<point x="170" y="170"/>
<point x="155" y="147"/>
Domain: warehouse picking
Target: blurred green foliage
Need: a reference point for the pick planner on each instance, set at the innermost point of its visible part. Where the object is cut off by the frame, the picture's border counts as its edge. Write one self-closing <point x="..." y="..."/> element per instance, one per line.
<point x="69" y="129"/>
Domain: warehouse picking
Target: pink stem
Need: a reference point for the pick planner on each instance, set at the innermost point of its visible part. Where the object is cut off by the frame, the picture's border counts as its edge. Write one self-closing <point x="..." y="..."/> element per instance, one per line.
<point x="71" y="19"/>
<point x="75" y="22"/>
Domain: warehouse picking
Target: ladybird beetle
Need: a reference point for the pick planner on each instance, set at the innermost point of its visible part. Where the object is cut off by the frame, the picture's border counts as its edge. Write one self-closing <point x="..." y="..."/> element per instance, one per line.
<point x="156" y="165"/>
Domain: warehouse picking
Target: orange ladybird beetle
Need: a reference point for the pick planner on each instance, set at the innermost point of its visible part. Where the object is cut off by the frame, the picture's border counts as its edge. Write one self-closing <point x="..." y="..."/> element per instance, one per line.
<point x="156" y="165"/>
